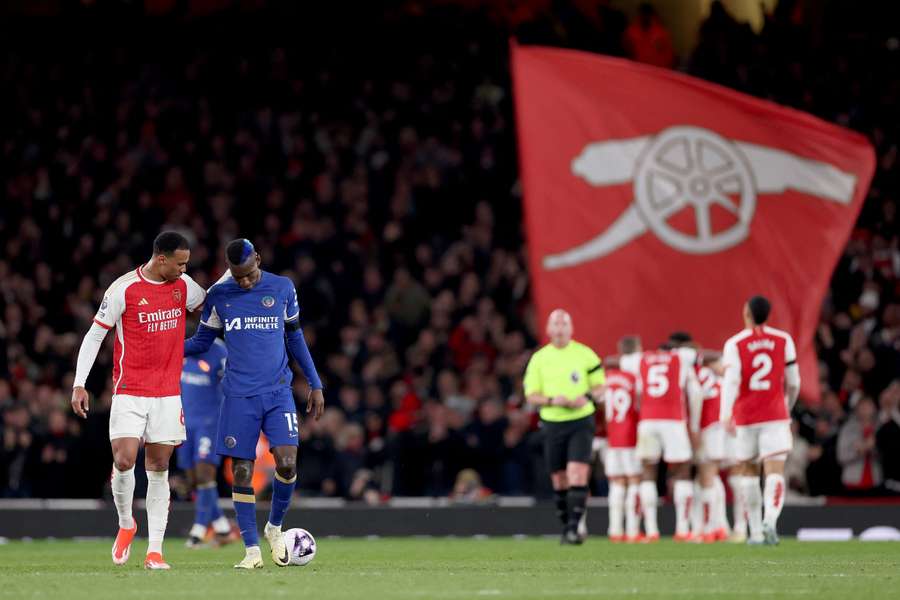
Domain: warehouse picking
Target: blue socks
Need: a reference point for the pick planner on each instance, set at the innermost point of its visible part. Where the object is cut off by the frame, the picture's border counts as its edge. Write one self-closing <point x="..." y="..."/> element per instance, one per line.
<point x="206" y="504"/>
<point x="215" y="511"/>
<point x="245" y="507"/>
<point x="282" y="491"/>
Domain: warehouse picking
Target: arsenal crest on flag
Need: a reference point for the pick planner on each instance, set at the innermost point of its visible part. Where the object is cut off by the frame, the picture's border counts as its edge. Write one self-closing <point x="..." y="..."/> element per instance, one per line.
<point x="655" y="201"/>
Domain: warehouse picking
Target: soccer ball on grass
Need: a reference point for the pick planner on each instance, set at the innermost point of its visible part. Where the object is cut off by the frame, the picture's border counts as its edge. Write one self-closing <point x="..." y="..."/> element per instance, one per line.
<point x="302" y="546"/>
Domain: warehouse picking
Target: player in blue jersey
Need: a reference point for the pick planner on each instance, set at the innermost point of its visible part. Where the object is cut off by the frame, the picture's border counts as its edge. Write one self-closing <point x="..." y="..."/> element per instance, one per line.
<point x="201" y="394"/>
<point x="260" y="316"/>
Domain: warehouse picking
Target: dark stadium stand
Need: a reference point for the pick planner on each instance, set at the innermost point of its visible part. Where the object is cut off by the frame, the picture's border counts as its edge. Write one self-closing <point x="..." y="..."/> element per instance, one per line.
<point x="383" y="180"/>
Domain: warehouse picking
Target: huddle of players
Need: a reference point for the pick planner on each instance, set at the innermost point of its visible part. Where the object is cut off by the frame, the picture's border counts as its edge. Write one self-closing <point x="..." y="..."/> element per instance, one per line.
<point x="685" y="407"/>
<point x="258" y="316"/>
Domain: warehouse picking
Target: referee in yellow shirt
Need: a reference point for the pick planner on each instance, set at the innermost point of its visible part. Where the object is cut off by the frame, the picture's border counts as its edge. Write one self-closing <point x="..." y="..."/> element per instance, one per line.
<point x="563" y="378"/>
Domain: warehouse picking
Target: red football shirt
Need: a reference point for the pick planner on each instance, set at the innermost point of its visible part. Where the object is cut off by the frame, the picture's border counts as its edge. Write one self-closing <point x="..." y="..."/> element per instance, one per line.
<point x="149" y="318"/>
<point x="759" y="357"/>
<point x="620" y="398"/>
<point x="664" y="378"/>
<point x="712" y="396"/>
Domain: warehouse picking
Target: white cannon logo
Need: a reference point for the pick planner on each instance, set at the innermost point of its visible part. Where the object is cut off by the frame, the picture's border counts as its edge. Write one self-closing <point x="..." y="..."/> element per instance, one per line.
<point x="691" y="167"/>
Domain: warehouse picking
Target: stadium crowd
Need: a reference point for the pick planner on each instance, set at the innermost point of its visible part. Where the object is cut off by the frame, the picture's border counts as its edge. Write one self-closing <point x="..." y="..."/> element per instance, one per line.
<point x="383" y="181"/>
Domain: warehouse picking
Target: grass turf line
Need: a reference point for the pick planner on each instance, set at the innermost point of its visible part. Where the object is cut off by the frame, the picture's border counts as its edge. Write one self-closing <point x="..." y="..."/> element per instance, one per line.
<point x="398" y="568"/>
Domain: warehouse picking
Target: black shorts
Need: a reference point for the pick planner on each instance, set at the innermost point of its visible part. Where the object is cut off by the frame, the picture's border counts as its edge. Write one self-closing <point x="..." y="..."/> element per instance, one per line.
<point x="567" y="441"/>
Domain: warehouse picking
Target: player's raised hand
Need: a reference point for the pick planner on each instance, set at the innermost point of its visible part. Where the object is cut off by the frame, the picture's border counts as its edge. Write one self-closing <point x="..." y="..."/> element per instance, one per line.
<point x="315" y="403"/>
<point x="80" y="402"/>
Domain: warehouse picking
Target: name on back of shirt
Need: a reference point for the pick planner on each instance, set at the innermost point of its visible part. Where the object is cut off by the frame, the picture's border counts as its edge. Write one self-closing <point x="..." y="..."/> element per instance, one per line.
<point x="658" y="358"/>
<point x="763" y="344"/>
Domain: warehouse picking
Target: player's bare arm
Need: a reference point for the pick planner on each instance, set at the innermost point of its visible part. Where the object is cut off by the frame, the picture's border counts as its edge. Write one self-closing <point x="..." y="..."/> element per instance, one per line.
<point x="315" y="403"/>
<point x="80" y="402"/>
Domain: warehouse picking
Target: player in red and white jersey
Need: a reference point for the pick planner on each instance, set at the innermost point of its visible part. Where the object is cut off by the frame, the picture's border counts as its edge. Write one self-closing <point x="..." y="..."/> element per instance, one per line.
<point x="760" y="386"/>
<point x="719" y="447"/>
<point x="622" y="466"/>
<point x="710" y="456"/>
<point x="667" y="378"/>
<point x="147" y="308"/>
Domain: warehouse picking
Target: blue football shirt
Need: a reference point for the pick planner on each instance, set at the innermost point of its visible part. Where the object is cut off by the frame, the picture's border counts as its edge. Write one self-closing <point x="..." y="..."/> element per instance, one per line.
<point x="201" y="390"/>
<point x="253" y="321"/>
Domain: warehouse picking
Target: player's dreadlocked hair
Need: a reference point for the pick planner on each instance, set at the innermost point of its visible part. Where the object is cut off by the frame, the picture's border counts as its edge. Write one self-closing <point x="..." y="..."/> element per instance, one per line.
<point x="239" y="251"/>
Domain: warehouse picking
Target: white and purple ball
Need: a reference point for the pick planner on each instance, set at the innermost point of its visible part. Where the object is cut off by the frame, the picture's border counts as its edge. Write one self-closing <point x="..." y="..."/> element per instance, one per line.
<point x="302" y="546"/>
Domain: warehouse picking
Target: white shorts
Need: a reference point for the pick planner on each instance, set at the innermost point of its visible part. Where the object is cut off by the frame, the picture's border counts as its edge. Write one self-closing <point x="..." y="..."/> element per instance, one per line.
<point x="712" y="443"/>
<point x="764" y="440"/>
<point x="664" y="439"/>
<point x="621" y="462"/>
<point x="155" y="420"/>
<point x="731" y="452"/>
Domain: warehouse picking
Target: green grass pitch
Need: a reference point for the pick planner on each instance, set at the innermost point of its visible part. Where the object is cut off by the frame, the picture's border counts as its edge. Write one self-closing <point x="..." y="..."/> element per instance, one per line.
<point x="457" y="568"/>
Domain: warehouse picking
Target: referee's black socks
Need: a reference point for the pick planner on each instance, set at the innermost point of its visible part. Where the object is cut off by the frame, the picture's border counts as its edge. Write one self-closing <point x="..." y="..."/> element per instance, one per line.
<point x="562" y="506"/>
<point x="576" y="500"/>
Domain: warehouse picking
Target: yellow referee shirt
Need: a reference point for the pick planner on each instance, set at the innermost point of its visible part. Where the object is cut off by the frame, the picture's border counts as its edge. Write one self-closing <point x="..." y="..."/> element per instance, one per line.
<point x="571" y="371"/>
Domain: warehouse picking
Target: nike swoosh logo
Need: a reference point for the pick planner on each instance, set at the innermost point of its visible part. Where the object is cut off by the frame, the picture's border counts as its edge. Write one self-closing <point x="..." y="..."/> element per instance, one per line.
<point x="287" y="557"/>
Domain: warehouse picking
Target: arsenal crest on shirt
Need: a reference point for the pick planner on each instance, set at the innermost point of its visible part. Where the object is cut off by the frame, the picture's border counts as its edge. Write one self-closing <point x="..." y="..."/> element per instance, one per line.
<point x="176" y="295"/>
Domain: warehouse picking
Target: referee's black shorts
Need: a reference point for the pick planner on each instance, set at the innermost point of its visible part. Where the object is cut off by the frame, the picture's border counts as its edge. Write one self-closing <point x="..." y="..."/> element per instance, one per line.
<point x="567" y="441"/>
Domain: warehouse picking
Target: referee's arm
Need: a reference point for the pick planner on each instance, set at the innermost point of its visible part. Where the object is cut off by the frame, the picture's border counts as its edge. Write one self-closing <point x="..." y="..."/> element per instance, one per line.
<point x="596" y="379"/>
<point x="534" y="386"/>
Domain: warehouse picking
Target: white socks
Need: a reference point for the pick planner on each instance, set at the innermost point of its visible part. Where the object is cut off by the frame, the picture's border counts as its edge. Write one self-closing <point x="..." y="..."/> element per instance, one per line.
<point x="753" y="498"/>
<point x="719" y="516"/>
<point x="684" y="496"/>
<point x="616" y="508"/>
<point x="122" y="484"/>
<point x="708" y="497"/>
<point x="632" y="511"/>
<point x="739" y="506"/>
<point x="649" y="500"/>
<point x="773" y="498"/>
<point x="197" y="531"/>
<point x="697" y="513"/>
<point x="157" y="508"/>
<point x="221" y="525"/>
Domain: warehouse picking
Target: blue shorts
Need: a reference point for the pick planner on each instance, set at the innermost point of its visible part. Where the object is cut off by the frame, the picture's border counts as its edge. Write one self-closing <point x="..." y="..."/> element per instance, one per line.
<point x="241" y="418"/>
<point x="198" y="447"/>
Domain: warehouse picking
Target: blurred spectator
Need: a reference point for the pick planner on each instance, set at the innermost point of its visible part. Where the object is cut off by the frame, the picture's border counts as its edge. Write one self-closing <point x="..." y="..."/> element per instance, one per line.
<point x="17" y="455"/>
<point x="856" y="451"/>
<point x="468" y="488"/>
<point x="799" y="459"/>
<point x="383" y="180"/>
<point x="57" y="464"/>
<point x="647" y="41"/>
<point x="350" y="458"/>
<point x="887" y="438"/>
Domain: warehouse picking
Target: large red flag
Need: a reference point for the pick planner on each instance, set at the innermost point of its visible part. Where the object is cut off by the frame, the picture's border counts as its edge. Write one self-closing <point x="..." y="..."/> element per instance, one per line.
<point x="655" y="201"/>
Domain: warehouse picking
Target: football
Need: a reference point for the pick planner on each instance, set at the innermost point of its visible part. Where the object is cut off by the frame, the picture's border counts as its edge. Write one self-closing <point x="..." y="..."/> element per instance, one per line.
<point x="302" y="546"/>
